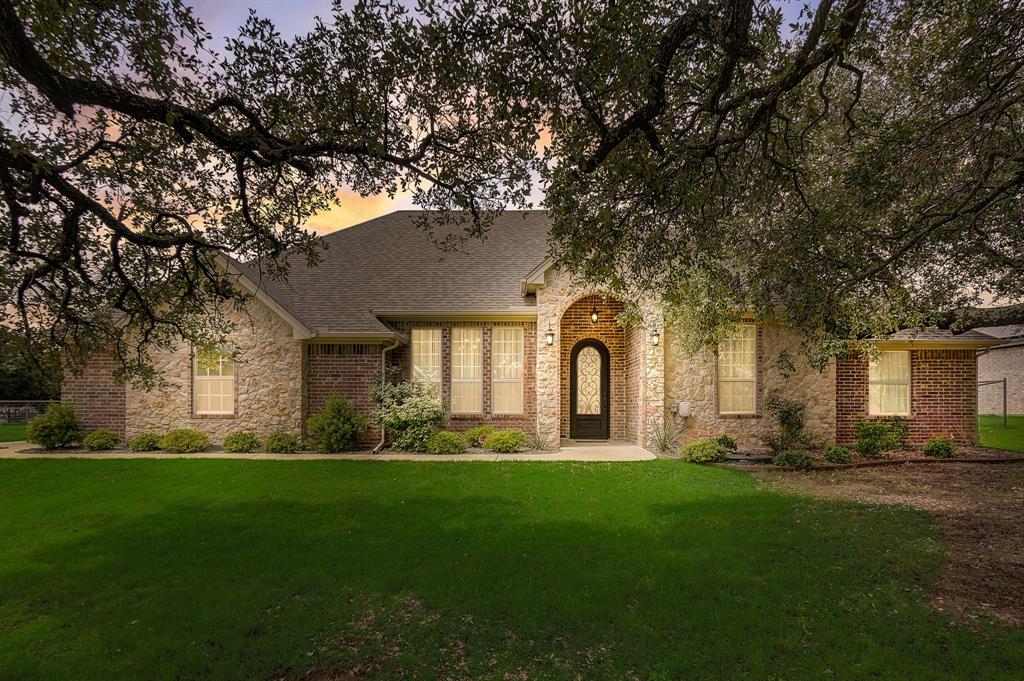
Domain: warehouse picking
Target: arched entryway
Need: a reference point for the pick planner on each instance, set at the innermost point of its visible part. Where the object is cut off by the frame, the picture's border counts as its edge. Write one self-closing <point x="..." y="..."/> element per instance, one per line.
<point x="589" y="391"/>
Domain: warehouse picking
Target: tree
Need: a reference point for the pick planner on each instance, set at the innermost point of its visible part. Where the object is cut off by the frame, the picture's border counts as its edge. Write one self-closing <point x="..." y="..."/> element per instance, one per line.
<point x="856" y="172"/>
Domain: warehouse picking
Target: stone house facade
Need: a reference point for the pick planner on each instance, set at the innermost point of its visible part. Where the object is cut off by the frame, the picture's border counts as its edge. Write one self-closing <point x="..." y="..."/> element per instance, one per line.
<point x="512" y="341"/>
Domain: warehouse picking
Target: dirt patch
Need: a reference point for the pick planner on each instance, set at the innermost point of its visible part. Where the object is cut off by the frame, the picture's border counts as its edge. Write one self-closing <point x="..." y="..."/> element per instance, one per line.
<point x="979" y="508"/>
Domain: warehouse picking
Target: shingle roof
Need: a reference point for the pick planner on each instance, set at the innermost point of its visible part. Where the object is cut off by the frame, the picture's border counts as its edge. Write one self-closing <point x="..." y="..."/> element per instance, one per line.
<point x="390" y="264"/>
<point x="933" y="334"/>
<point x="1012" y="331"/>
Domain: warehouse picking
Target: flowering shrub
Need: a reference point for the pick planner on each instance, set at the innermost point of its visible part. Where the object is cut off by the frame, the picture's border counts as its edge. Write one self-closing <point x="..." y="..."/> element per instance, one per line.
<point x="409" y="413"/>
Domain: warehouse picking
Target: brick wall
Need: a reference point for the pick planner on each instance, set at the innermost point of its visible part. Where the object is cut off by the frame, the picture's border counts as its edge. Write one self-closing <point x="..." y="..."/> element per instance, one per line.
<point x="98" y="400"/>
<point x="400" y="360"/>
<point x="347" y="370"/>
<point x="996" y="364"/>
<point x="576" y="326"/>
<point x="943" y="395"/>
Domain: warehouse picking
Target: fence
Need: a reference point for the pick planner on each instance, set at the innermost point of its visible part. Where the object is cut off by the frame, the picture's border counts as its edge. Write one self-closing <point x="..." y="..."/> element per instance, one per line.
<point x="20" y="411"/>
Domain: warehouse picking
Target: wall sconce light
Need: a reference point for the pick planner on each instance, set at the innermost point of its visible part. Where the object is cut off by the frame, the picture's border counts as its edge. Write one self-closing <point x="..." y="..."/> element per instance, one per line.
<point x="655" y="338"/>
<point x="549" y="337"/>
<point x="593" y="314"/>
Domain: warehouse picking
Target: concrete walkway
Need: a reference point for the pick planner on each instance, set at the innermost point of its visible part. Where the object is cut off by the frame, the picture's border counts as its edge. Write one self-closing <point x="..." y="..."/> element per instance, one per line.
<point x="609" y="451"/>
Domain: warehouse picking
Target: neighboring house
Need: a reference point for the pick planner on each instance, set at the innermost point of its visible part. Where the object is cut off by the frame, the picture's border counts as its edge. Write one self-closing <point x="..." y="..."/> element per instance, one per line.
<point x="511" y="341"/>
<point x="1005" y="360"/>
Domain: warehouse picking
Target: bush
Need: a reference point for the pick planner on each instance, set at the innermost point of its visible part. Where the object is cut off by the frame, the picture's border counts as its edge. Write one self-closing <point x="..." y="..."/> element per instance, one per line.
<point x="505" y="441"/>
<point x="144" y="442"/>
<point x="537" y="441"/>
<point x="727" y="441"/>
<point x="881" y="435"/>
<point x="790" y="419"/>
<point x="185" y="441"/>
<point x="281" y="443"/>
<point x="336" y="427"/>
<point x="476" y="435"/>
<point x="837" y="454"/>
<point x="665" y="437"/>
<point x="793" y="459"/>
<point x="101" y="440"/>
<point x="56" y="428"/>
<point x="940" y="447"/>
<point x="410" y="413"/>
<point x="704" y="450"/>
<point x="242" y="441"/>
<point x="446" y="442"/>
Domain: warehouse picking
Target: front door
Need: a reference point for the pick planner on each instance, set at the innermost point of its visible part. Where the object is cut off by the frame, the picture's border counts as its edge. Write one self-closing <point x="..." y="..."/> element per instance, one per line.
<point x="588" y="391"/>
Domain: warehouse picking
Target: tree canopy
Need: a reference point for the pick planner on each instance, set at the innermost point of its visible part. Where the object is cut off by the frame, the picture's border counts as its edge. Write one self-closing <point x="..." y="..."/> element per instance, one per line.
<point x="852" y="173"/>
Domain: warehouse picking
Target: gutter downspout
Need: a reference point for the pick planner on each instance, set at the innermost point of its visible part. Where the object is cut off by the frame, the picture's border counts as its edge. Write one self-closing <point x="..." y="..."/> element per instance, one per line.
<point x="383" y="377"/>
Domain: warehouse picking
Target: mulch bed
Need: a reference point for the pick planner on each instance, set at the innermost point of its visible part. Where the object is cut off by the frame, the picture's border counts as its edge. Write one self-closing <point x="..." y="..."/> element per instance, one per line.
<point x="978" y="508"/>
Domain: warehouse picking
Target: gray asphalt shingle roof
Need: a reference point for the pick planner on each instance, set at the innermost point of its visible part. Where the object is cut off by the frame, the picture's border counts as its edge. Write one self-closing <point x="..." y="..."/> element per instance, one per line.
<point x="390" y="264"/>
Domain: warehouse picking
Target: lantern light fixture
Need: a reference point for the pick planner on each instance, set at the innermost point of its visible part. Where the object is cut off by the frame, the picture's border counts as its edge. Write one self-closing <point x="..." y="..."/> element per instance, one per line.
<point x="549" y="337"/>
<point x="655" y="338"/>
<point x="593" y="314"/>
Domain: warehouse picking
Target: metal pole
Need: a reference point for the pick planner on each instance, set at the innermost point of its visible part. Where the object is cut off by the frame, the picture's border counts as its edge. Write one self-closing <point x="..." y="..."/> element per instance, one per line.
<point x="1004" y="404"/>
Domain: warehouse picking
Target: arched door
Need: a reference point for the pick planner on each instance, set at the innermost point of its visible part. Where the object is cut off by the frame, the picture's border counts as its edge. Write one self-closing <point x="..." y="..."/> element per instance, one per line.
<point x="589" y="383"/>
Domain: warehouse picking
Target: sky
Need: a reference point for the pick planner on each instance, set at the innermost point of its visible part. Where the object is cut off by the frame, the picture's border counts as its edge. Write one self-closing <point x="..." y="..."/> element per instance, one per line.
<point x="294" y="17"/>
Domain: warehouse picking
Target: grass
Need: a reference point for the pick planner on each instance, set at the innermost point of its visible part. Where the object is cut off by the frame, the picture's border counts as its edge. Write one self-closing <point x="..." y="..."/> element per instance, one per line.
<point x="660" y="570"/>
<point x="992" y="433"/>
<point x="12" y="432"/>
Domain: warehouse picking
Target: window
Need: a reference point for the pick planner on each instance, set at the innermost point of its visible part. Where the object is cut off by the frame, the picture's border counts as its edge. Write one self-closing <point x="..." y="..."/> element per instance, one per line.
<point x="889" y="384"/>
<point x="737" y="372"/>
<point x="213" y="378"/>
<point x="507" y="370"/>
<point x="426" y="357"/>
<point x="467" y="373"/>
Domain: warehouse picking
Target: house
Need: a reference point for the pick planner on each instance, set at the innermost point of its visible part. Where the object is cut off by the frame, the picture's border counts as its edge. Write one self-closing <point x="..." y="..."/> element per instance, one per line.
<point x="510" y="340"/>
<point x="1003" y="361"/>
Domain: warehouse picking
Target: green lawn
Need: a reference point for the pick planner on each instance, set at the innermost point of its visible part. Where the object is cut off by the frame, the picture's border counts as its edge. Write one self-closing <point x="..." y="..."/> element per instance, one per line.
<point x="213" y="569"/>
<point x="12" y="432"/>
<point x="992" y="433"/>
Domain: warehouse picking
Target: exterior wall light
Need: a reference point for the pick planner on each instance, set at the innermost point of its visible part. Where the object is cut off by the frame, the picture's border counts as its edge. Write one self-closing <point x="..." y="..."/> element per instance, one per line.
<point x="655" y="338"/>
<point x="593" y="314"/>
<point x="549" y="337"/>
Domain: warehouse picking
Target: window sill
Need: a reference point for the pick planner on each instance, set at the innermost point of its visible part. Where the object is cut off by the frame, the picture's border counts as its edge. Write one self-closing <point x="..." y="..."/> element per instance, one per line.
<point x="215" y="416"/>
<point x="739" y="416"/>
<point x="883" y="417"/>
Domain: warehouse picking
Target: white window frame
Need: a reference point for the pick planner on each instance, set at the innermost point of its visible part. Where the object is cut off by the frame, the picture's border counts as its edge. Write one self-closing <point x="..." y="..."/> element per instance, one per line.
<point x="516" y="330"/>
<point x="458" y="331"/>
<point x="197" y="380"/>
<point x="414" y="342"/>
<point x="872" y="363"/>
<point x="754" y="380"/>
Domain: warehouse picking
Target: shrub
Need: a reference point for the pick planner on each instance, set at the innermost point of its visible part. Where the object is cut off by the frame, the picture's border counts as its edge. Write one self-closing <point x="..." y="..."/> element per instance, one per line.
<point x="837" y="454"/>
<point x="242" y="441"/>
<point x="446" y="442"/>
<point x="881" y="435"/>
<point x="410" y="413"/>
<point x="505" y="441"/>
<point x="281" y="443"/>
<point x="57" y="427"/>
<point x="476" y="435"/>
<point x="793" y="459"/>
<point x="704" y="450"/>
<point x="727" y="441"/>
<point x="537" y="441"/>
<point x="185" y="441"/>
<point x="144" y="442"/>
<point x="790" y="419"/>
<point x="665" y="438"/>
<point x="336" y="427"/>
<point x="940" y="447"/>
<point x="101" y="440"/>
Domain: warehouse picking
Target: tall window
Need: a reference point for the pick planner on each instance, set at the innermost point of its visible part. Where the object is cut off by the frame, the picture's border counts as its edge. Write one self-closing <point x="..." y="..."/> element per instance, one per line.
<point x="889" y="384"/>
<point x="467" y="372"/>
<point x="426" y="357"/>
<point x="737" y="372"/>
<point x="213" y="379"/>
<point x="507" y="370"/>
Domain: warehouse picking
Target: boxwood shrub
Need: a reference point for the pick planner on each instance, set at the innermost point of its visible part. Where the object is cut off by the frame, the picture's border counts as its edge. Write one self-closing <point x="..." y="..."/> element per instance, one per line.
<point x="940" y="446"/>
<point x="336" y="427"/>
<point x="144" y="442"/>
<point x="280" y="442"/>
<point x="241" y="441"/>
<point x="793" y="458"/>
<point x="704" y="450"/>
<point x="505" y="441"/>
<point x="446" y="442"/>
<point x="101" y="440"/>
<point x="727" y="441"/>
<point x="57" y="427"/>
<point x="837" y="454"/>
<point x="476" y="435"/>
<point x="185" y="441"/>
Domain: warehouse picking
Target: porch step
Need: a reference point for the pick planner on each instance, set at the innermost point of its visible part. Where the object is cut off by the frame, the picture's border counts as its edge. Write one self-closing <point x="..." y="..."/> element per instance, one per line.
<point x="748" y="458"/>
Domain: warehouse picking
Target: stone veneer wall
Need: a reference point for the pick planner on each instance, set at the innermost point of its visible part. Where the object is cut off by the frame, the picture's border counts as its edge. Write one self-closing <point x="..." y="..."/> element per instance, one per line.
<point x="693" y="378"/>
<point x="943" y="395"/>
<point x="577" y="326"/>
<point x="97" y="399"/>
<point x="348" y="370"/>
<point x="400" y="359"/>
<point x="1000" y="363"/>
<point x="268" y="383"/>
